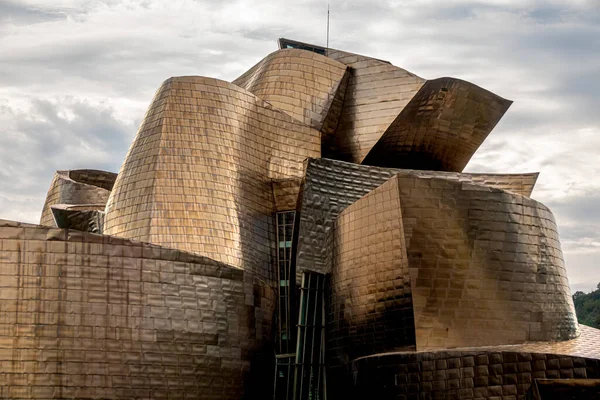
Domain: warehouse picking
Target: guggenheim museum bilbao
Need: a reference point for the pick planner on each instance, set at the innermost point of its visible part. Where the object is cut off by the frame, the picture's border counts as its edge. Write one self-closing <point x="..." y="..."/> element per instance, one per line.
<point x="303" y="232"/>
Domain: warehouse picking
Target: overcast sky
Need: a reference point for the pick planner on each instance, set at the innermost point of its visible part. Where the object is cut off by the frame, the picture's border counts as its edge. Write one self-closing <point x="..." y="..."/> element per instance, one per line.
<point x="76" y="77"/>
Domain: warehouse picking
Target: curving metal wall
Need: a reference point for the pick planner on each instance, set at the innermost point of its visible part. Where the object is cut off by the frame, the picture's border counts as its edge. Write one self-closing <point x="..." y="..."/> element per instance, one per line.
<point x="77" y="187"/>
<point x="303" y="84"/>
<point x="475" y="373"/>
<point x="376" y="93"/>
<point x="370" y="300"/>
<point x="198" y="176"/>
<point x="441" y="127"/>
<point x="330" y="186"/>
<point x="92" y="316"/>
<point x="486" y="266"/>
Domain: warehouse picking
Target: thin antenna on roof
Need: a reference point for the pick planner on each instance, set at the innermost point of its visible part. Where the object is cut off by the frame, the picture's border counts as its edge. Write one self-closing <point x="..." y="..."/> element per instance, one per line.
<point x="327" y="47"/>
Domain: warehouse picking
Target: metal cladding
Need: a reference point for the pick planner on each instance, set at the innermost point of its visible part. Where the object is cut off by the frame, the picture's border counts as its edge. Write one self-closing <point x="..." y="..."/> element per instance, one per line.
<point x="80" y="218"/>
<point x="371" y="302"/>
<point x="441" y="127"/>
<point x="376" y="94"/>
<point x="300" y="83"/>
<point x="418" y="281"/>
<point x="198" y="175"/>
<point x="485" y="258"/>
<point x="330" y="186"/>
<point x="497" y="372"/>
<point x="92" y="316"/>
<point x="77" y="187"/>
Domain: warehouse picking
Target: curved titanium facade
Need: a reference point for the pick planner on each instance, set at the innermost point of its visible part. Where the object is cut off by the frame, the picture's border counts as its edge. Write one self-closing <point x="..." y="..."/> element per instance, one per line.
<point x="371" y="301"/>
<point x="376" y="93"/>
<point x="486" y="266"/>
<point x="417" y="283"/>
<point x="300" y="83"/>
<point x="330" y="186"/>
<point x="198" y="175"/>
<point x="77" y="187"/>
<point x="441" y="127"/>
<point x="92" y="316"/>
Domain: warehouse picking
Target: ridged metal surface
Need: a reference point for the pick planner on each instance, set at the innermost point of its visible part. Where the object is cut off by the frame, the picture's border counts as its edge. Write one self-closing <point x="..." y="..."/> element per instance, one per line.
<point x="376" y="93"/>
<point x="330" y="186"/>
<point x="486" y="266"/>
<point x="371" y="301"/>
<point x="96" y="317"/>
<point x="301" y="83"/>
<point x="76" y="187"/>
<point x="501" y="372"/>
<point x="440" y="129"/>
<point x="80" y="218"/>
<point x="198" y="176"/>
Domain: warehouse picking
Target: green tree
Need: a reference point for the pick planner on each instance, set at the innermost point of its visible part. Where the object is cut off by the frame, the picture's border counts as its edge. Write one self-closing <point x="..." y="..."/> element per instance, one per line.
<point x="587" y="307"/>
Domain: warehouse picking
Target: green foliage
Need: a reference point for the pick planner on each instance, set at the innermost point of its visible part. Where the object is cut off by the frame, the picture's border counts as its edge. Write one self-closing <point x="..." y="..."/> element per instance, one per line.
<point x="587" y="307"/>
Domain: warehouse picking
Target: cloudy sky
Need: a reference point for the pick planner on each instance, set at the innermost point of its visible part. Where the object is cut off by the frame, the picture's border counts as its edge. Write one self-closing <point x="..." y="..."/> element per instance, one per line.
<point x="76" y="77"/>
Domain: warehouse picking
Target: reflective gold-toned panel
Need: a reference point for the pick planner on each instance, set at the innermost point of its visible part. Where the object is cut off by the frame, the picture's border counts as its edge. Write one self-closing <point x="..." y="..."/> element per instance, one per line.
<point x="486" y="266"/>
<point x="377" y="92"/>
<point x="84" y="186"/>
<point x="440" y="129"/>
<point x="299" y="82"/>
<point x="87" y="316"/>
<point x="330" y="186"/>
<point x="495" y="372"/>
<point x="198" y="176"/>
<point x="371" y="302"/>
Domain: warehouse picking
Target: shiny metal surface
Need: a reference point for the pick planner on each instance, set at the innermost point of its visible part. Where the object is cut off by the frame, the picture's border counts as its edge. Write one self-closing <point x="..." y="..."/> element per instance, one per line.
<point x="376" y="93"/>
<point x="440" y="129"/>
<point x="486" y="266"/>
<point x="330" y="186"/>
<point x="98" y="317"/>
<point x="371" y="301"/>
<point x="77" y="187"/>
<point x="499" y="372"/>
<point x="198" y="176"/>
<point x="300" y="83"/>
<point x="80" y="218"/>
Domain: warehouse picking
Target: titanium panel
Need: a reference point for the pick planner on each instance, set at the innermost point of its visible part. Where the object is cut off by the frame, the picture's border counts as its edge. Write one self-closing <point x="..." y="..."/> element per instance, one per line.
<point x="76" y="187"/>
<point x="376" y="93"/>
<point x="486" y="266"/>
<point x="199" y="174"/>
<point x="299" y="82"/>
<point x="80" y="218"/>
<point x="500" y="372"/>
<point x="371" y="308"/>
<point x="330" y="186"/>
<point x="441" y="127"/>
<point x="98" y="317"/>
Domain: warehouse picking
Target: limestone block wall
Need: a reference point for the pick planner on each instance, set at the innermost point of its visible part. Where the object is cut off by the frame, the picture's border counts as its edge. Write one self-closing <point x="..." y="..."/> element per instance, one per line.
<point x="198" y="176"/>
<point x="89" y="316"/>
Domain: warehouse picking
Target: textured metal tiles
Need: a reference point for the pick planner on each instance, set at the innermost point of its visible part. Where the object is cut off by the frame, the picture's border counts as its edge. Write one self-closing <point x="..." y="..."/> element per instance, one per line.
<point x="77" y="187"/>
<point x="198" y="176"/>
<point x="301" y="83"/>
<point x="331" y="186"/>
<point x="371" y="301"/>
<point x="375" y="94"/>
<point x="441" y="127"/>
<point x="97" y="317"/>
